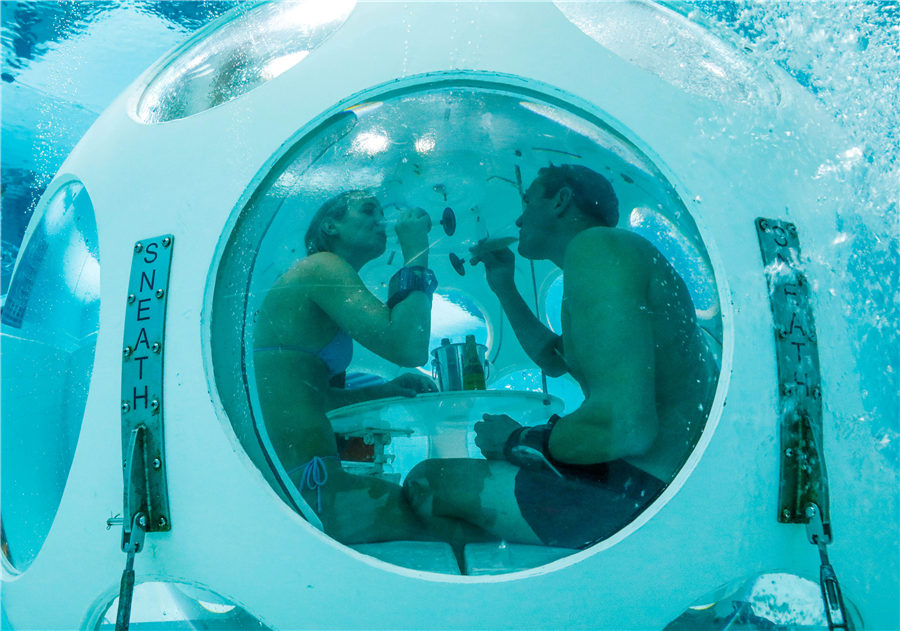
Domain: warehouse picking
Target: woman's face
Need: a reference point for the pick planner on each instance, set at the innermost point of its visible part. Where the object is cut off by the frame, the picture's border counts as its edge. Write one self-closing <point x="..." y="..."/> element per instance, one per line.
<point x="362" y="226"/>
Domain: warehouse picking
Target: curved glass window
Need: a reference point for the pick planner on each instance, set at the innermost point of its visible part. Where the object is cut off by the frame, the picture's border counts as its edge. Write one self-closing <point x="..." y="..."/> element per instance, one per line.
<point x="238" y="53"/>
<point x="157" y="605"/>
<point x="674" y="49"/>
<point x="322" y="339"/>
<point x="775" y="600"/>
<point x="49" y="333"/>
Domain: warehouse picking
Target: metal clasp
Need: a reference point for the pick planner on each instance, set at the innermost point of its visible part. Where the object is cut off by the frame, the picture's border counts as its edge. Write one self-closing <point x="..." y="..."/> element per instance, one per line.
<point x="132" y="543"/>
<point x="819" y="534"/>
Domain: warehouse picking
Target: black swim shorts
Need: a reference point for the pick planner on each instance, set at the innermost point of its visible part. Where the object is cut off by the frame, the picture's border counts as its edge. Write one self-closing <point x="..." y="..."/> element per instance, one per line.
<point x="584" y="507"/>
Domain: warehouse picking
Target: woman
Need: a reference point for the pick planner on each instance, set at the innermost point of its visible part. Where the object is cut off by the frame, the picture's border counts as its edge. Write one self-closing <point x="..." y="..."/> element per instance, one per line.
<point x="303" y="344"/>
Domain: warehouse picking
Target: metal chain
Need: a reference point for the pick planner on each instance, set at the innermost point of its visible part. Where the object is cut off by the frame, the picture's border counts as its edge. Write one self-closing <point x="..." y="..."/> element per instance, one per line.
<point x="133" y="542"/>
<point x="835" y="611"/>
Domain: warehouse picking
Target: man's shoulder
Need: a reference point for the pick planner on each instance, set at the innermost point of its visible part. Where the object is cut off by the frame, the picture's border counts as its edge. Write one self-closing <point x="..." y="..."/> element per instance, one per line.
<point x="606" y="245"/>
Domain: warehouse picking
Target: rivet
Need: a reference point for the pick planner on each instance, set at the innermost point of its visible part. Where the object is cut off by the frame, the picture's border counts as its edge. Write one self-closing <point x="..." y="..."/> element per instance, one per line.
<point x="817" y="392"/>
<point x="138" y="246"/>
<point x="162" y="522"/>
<point x="789" y="453"/>
<point x="126" y="351"/>
<point x="154" y="404"/>
<point x="131" y="298"/>
<point x="156" y="347"/>
<point x="160" y="293"/>
<point x="811" y="511"/>
<point x="124" y="464"/>
<point x="780" y="333"/>
<point x="156" y="463"/>
<point x="167" y="241"/>
<point x="125" y="406"/>
<point x="786" y="513"/>
<point x="142" y="521"/>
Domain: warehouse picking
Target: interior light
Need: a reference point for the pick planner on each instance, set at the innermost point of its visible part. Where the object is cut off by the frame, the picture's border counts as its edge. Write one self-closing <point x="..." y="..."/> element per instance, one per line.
<point x="371" y="143"/>
<point x="425" y="143"/>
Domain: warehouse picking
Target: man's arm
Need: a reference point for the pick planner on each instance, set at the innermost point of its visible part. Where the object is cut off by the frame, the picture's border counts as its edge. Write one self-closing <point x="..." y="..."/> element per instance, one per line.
<point x="607" y="276"/>
<point x="538" y="342"/>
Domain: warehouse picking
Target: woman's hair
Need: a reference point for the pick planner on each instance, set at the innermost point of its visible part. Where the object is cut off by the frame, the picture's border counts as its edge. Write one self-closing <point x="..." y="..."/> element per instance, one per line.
<point x="335" y="208"/>
<point x="592" y="193"/>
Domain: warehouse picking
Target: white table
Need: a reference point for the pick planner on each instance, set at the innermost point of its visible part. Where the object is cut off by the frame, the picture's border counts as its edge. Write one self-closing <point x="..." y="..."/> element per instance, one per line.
<point x="445" y="417"/>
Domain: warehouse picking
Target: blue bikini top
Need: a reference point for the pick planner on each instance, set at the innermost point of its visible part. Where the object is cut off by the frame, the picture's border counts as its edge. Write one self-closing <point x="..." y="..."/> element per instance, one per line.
<point x="336" y="355"/>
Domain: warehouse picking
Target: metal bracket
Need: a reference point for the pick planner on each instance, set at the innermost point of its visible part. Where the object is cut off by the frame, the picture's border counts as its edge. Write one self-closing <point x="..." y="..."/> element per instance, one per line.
<point x="143" y="453"/>
<point x="803" y="476"/>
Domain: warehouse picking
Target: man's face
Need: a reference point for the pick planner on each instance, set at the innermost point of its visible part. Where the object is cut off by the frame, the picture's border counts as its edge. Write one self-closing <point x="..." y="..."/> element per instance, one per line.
<point x="534" y="222"/>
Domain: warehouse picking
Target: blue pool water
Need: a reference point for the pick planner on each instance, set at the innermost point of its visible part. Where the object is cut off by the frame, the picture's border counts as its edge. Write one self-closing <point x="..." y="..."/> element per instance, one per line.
<point x="64" y="62"/>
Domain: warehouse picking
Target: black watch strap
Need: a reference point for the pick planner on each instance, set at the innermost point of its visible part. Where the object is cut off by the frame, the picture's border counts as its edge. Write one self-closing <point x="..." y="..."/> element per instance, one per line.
<point x="408" y="280"/>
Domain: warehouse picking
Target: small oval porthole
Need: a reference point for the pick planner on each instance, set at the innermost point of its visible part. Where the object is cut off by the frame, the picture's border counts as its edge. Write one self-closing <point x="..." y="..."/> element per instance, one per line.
<point x="49" y="333"/>
<point x="158" y="605"/>
<point x="238" y="53"/>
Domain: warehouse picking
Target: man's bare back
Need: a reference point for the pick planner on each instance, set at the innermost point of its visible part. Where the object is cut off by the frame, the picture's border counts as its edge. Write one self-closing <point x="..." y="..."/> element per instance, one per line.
<point x="655" y="330"/>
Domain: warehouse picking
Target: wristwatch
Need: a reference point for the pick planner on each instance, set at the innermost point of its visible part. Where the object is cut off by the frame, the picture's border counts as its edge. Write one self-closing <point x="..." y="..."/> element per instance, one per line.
<point x="409" y="279"/>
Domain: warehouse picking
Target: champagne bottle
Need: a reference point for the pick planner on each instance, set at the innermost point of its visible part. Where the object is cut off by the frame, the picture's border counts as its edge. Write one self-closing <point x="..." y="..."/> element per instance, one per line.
<point x="473" y="368"/>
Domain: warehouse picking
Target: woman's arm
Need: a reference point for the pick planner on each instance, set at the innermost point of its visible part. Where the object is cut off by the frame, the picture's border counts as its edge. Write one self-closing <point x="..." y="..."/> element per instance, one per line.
<point x="399" y="335"/>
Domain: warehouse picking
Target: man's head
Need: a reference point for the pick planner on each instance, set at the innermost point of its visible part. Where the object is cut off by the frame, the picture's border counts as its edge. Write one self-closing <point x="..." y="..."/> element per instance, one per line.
<point x="564" y="198"/>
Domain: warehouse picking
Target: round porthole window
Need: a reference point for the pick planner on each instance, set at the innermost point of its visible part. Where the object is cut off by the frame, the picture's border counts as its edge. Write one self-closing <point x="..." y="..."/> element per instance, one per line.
<point x="238" y="53"/>
<point x="447" y="219"/>
<point x="157" y="605"/>
<point x="49" y="331"/>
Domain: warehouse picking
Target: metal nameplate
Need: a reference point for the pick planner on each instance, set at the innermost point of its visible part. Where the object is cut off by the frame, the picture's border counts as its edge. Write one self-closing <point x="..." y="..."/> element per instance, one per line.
<point x="143" y="452"/>
<point x="803" y="478"/>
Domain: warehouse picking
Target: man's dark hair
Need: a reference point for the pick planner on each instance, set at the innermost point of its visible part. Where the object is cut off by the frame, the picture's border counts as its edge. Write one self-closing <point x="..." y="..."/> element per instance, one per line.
<point x="316" y="239"/>
<point x="592" y="193"/>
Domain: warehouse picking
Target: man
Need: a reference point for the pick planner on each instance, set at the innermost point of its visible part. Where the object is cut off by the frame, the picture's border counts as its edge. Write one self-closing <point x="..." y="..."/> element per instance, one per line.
<point x="630" y="339"/>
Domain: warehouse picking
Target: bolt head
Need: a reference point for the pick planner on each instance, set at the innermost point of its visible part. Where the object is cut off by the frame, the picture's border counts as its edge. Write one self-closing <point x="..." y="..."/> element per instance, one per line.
<point x="131" y="298"/>
<point x="786" y="513"/>
<point x="126" y="406"/>
<point x="167" y="241"/>
<point x="156" y="463"/>
<point x="156" y="347"/>
<point x="162" y="522"/>
<point x="160" y="293"/>
<point x="138" y="247"/>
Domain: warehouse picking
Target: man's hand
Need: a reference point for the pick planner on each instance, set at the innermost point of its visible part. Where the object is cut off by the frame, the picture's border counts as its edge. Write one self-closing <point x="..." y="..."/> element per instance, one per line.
<point x="492" y="433"/>
<point x="409" y="384"/>
<point x="499" y="263"/>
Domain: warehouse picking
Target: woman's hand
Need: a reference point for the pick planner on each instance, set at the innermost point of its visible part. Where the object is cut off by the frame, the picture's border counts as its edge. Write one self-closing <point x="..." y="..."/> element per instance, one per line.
<point x="412" y="232"/>
<point x="492" y="433"/>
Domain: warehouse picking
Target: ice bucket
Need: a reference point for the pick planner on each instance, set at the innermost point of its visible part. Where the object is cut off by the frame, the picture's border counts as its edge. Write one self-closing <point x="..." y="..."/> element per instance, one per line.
<point x="448" y="361"/>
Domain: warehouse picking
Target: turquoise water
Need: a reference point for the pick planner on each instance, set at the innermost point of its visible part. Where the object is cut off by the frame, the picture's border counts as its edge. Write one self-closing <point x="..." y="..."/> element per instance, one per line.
<point x="63" y="62"/>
